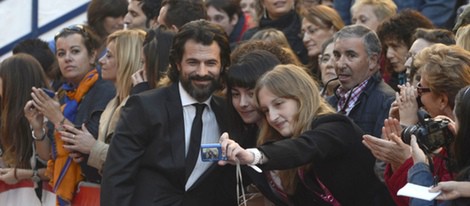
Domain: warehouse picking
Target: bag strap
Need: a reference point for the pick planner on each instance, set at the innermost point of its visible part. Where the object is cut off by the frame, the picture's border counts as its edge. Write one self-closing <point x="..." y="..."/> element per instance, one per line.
<point x="327" y="196"/>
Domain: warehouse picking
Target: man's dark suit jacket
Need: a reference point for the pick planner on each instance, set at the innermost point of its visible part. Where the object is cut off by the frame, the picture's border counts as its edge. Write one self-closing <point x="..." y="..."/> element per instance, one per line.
<point x="146" y="159"/>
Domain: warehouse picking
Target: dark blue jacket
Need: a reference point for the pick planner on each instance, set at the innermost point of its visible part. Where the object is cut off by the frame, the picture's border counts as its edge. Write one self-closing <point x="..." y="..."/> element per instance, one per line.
<point x="372" y="106"/>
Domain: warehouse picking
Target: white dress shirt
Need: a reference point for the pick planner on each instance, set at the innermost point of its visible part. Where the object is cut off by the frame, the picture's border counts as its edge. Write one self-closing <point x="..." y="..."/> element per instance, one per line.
<point x="210" y="130"/>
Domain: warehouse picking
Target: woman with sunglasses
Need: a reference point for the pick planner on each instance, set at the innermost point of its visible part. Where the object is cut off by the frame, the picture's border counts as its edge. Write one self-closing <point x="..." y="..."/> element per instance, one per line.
<point x="80" y="102"/>
<point x="444" y="70"/>
<point x="459" y="164"/>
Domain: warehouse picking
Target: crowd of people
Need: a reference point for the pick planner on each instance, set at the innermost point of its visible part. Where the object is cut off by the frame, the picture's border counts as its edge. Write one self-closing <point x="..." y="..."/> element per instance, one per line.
<point x="311" y="102"/>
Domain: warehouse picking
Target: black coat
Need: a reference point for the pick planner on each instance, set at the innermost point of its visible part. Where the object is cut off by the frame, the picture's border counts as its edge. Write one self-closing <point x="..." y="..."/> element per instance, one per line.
<point x="146" y="158"/>
<point x="291" y="25"/>
<point x="333" y="146"/>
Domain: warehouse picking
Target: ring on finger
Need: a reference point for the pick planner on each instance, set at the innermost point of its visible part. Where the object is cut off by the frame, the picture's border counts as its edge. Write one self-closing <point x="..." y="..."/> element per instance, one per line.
<point x="73" y="136"/>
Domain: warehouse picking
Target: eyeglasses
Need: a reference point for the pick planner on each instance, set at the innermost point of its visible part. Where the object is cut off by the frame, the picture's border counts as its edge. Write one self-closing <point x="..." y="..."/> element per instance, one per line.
<point x="421" y="90"/>
<point x="77" y="28"/>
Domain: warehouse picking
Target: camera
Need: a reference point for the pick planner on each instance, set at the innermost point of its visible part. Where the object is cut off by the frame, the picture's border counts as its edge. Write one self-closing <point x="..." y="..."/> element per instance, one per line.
<point x="431" y="134"/>
<point x="212" y="153"/>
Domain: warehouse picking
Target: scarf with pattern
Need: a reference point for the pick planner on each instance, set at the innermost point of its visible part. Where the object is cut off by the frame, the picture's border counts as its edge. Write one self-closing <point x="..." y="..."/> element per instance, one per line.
<point x="65" y="174"/>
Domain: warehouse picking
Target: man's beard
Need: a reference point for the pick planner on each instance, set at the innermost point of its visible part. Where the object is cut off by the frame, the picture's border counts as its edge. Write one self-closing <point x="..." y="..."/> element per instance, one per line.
<point x="201" y="94"/>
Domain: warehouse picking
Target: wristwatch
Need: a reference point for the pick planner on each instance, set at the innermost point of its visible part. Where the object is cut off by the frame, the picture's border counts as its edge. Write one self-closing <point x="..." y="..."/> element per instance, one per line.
<point x="35" y="178"/>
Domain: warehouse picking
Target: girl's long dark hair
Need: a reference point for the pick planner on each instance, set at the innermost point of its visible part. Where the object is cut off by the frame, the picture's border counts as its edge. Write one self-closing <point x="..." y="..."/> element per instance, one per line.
<point x="19" y="73"/>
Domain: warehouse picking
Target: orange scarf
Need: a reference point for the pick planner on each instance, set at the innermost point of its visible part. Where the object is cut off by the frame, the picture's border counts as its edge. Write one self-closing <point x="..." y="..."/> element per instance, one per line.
<point x="65" y="174"/>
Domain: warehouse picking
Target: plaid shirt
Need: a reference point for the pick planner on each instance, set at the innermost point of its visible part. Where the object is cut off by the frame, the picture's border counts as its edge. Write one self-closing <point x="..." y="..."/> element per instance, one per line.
<point x="349" y="97"/>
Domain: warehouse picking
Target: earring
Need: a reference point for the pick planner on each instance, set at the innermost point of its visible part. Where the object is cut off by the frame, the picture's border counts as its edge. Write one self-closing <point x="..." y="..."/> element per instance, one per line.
<point x="264" y="13"/>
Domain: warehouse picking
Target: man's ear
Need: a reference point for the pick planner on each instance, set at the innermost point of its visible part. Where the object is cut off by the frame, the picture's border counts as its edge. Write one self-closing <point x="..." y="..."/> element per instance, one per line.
<point x="174" y="28"/>
<point x="373" y="62"/>
<point x="234" y="20"/>
<point x="178" y="67"/>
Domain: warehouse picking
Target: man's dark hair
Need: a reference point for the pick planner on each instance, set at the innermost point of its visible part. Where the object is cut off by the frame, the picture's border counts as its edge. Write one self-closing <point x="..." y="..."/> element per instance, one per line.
<point x="442" y="36"/>
<point x="180" y="12"/>
<point x="203" y="32"/>
<point x="231" y="7"/>
<point x="40" y="50"/>
<point x="151" y="9"/>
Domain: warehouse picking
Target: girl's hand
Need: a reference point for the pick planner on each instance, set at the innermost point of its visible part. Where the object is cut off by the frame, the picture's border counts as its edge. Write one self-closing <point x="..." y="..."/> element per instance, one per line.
<point x="35" y="118"/>
<point x="234" y="152"/>
<point x="138" y="77"/>
<point x="7" y="175"/>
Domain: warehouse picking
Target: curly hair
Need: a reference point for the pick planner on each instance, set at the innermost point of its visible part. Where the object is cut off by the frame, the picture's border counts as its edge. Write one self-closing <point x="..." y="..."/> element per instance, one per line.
<point x="446" y="68"/>
<point x="401" y="27"/>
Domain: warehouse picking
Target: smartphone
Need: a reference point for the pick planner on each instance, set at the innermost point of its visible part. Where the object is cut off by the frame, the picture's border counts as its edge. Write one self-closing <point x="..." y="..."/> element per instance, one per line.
<point x="49" y="92"/>
<point x="212" y="153"/>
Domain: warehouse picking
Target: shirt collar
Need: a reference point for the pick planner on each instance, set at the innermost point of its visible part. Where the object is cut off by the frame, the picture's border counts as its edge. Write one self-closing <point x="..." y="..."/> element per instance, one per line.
<point x="187" y="99"/>
<point x="341" y="91"/>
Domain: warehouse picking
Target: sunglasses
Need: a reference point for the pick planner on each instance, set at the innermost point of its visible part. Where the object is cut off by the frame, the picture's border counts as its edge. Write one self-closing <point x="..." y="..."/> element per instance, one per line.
<point x="78" y="28"/>
<point x="421" y="90"/>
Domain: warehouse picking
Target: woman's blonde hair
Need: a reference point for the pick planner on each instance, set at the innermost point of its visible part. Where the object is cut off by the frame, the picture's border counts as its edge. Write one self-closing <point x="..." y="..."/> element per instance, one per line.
<point x="292" y="82"/>
<point x="272" y="35"/>
<point x="446" y="68"/>
<point x="129" y="58"/>
<point x="323" y="16"/>
<point x="382" y="8"/>
<point x="462" y="37"/>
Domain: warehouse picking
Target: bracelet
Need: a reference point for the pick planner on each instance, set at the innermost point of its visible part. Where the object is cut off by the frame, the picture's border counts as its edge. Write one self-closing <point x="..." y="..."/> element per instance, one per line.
<point x="256" y="156"/>
<point x="60" y="127"/>
<point x="42" y="137"/>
